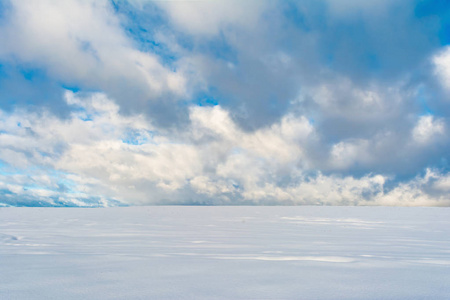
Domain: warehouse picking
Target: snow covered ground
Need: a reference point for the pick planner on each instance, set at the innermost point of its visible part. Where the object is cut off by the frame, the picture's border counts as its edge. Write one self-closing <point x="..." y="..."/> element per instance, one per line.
<point x="225" y="253"/>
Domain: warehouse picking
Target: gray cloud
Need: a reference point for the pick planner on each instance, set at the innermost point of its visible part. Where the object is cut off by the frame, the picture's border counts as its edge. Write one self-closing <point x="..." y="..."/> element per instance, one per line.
<point x="225" y="102"/>
<point x="100" y="156"/>
<point x="82" y="44"/>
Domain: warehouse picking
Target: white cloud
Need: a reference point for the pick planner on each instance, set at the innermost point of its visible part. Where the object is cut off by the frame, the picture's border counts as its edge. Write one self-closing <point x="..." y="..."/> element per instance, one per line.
<point x="282" y="142"/>
<point x="443" y="183"/>
<point x="204" y="185"/>
<point x="345" y="154"/>
<point x="441" y="63"/>
<point x="208" y="18"/>
<point x="98" y="152"/>
<point x="428" y="129"/>
<point x="340" y="97"/>
<point x="420" y="191"/>
<point x="83" y="42"/>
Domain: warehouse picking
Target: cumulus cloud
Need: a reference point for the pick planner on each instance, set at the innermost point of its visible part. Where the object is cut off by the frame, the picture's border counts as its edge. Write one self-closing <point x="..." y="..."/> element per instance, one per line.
<point x="428" y="129"/>
<point x="100" y="157"/>
<point x="223" y="102"/>
<point x="82" y="43"/>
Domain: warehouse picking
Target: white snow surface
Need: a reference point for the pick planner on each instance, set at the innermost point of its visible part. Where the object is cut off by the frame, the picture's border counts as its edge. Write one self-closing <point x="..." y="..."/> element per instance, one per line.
<point x="192" y="252"/>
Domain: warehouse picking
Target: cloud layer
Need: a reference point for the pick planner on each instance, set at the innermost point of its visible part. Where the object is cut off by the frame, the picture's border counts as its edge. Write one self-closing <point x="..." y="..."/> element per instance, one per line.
<point x="223" y="102"/>
<point x="99" y="157"/>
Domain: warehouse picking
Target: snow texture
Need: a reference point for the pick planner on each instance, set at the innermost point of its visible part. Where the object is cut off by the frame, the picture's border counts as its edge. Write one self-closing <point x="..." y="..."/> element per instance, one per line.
<point x="176" y="252"/>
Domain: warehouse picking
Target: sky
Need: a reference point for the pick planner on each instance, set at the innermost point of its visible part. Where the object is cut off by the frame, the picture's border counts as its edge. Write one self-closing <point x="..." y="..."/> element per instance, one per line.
<point x="139" y="102"/>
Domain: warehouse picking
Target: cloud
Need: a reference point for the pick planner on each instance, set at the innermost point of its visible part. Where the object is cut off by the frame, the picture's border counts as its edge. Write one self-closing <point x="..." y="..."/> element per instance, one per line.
<point x="82" y="44"/>
<point x="441" y="62"/>
<point x="208" y="18"/>
<point x="100" y="157"/>
<point x="350" y="8"/>
<point x="420" y="191"/>
<point x="256" y="57"/>
<point x="223" y="102"/>
<point x="428" y="129"/>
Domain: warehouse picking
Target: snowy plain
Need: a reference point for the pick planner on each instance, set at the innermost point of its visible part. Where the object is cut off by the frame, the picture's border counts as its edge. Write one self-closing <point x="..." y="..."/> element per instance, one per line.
<point x="183" y="252"/>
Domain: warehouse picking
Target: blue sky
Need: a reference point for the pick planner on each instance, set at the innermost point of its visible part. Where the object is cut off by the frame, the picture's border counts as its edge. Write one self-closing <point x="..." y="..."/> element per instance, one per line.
<point x="138" y="102"/>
